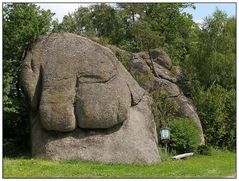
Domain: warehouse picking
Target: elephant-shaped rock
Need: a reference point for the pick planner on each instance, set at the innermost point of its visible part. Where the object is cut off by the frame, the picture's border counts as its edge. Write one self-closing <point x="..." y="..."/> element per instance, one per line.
<point x="84" y="105"/>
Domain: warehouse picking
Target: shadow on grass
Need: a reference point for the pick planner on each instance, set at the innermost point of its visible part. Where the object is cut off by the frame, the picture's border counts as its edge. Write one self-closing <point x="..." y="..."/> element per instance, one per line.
<point x="15" y="151"/>
<point x="17" y="155"/>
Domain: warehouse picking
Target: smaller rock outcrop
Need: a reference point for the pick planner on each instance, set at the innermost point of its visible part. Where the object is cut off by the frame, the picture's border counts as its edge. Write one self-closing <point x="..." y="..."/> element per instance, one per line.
<point x="139" y="65"/>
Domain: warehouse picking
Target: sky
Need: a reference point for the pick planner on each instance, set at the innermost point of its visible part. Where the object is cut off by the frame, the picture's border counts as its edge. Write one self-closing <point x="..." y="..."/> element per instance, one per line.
<point x="207" y="9"/>
<point x="202" y="9"/>
<point x="61" y="9"/>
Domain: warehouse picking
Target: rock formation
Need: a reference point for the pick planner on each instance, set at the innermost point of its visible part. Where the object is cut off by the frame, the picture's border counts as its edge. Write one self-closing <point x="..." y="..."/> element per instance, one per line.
<point x="85" y="105"/>
<point x="139" y="65"/>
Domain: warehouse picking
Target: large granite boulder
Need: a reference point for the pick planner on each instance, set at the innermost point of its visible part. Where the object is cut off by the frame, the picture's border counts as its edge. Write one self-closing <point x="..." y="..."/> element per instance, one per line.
<point x="85" y="105"/>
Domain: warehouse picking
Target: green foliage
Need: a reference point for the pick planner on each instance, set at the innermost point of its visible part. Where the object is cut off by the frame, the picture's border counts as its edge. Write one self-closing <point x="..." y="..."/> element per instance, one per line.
<point x="124" y="57"/>
<point x="136" y="26"/>
<point x="163" y="108"/>
<point x="128" y="45"/>
<point x="22" y="24"/>
<point x="173" y="26"/>
<point x="144" y="37"/>
<point x="104" y="19"/>
<point x="204" y="150"/>
<point x="97" y="20"/>
<point x="220" y="165"/>
<point x="65" y="26"/>
<point x="216" y="107"/>
<point x="144" y="80"/>
<point x="217" y="57"/>
<point x="210" y="78"/>
<point x="185" y="136"/>
<point x="103" y="41"/>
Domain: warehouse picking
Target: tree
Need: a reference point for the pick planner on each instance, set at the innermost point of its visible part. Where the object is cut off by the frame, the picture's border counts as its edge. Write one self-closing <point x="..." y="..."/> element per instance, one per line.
<point x="217" y="57"/>
<point x="55" y="26"/>
<point x="210" y="71"/>
<point x="104" y="18"/>
<point x="81" y="21"/>
<point x="22" y="24"/>
<point x="134" y="10"/>
<point x="169" y="22"/>
<point x="217" y="107"/>
<point x="67" y="24"/>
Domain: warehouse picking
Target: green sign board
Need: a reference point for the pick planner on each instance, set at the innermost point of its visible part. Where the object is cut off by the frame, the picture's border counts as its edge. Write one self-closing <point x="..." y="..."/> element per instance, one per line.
<point x="165" y="133"/>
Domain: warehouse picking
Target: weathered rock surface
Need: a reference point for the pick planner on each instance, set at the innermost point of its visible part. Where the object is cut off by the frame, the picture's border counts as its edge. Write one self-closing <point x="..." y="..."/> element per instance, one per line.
<point x="85" y="105"/>
<point x="164" y="73"/>
<point x="172" y="89"/>
<point x="132" y="142"/>
<point x="165" y="80"/>
<point x="161" y="58"/>
<point x="139" y="65"/>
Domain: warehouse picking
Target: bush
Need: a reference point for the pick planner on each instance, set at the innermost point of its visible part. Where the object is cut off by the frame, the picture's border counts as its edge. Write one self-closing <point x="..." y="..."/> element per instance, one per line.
<point x="217" y="110"/>
<point x="184" y="135"/>
<point x="144" y="80"/>
<point x="204" y="150"/>
<point x="128" y="46"/>
<point x="163" y="109"/>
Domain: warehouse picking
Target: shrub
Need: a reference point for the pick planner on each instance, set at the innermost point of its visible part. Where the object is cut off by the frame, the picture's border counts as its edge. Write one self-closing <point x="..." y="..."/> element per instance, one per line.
<point x="184" y="135"/>
<point x="163" y="108"/>
<point x="144" y="80"/>
<point x="128" y="46"/>
<point x="204" y="150"/>
<point x="217" y="110"/>
<point x="125" y="60"/>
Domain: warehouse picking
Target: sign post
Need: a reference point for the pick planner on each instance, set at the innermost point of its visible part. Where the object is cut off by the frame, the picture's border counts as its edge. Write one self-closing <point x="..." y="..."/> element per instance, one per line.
<point x="165" y="137"/>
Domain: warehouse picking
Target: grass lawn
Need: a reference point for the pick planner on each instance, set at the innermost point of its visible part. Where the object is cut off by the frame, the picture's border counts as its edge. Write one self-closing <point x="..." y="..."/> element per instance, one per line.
<point x="221" y="164"/>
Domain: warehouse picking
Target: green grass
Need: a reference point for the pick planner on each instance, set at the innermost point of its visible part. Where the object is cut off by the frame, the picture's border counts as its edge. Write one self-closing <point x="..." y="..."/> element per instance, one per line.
<point x="220" y="164"/>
